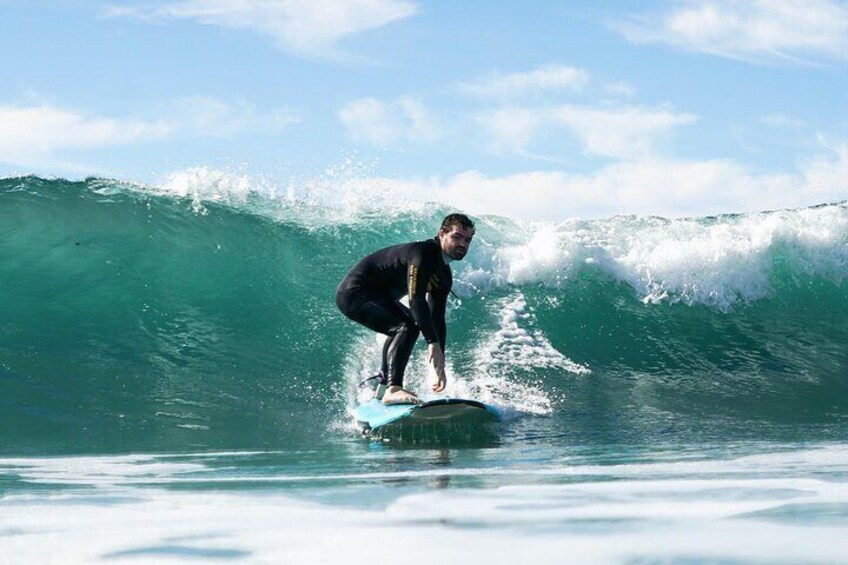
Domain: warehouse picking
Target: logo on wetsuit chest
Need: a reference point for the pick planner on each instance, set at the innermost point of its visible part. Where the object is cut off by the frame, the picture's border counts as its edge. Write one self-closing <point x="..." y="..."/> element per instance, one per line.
<point x="432" y="282"/>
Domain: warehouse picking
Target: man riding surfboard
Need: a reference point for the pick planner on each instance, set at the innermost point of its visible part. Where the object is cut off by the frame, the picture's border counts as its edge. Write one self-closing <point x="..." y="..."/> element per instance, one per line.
<point x="370" y="295"/>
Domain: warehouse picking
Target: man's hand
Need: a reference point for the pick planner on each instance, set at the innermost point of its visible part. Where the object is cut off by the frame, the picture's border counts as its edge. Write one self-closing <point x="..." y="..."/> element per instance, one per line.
<point x="437" y="358"/>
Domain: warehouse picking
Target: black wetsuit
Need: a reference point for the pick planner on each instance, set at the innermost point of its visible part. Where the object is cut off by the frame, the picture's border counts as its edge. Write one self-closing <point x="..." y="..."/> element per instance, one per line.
<point x="370" y="295"/>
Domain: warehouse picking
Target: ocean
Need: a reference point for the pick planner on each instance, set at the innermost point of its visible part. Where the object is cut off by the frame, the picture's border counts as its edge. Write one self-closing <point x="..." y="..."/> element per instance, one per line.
<point x="176" y="385"/>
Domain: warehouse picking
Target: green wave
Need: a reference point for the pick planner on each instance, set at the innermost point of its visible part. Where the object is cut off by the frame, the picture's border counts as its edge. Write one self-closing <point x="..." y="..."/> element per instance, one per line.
<point x="133" y="320"/>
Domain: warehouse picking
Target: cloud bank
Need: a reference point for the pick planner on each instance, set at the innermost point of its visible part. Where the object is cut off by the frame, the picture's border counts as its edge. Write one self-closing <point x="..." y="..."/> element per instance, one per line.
<point x="663" y="187"/>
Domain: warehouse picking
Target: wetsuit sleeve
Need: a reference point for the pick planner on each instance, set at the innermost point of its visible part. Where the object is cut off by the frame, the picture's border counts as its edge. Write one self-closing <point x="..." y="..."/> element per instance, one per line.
<point x="418" y="274"/>
<point x="438" y="305"/>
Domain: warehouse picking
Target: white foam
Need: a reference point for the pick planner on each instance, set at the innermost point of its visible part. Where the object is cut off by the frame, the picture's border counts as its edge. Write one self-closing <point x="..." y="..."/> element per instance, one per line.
<point x="775" y="507"/>
<point x="162" y="469"/>
<point x="518" y="344"/>
<point x="97" y="471"/>
<point x="270" y="528"/>
<point x="619" y="500"/>
<point x="203" y="184"/>
<point x="716" y="262"/>
<point x="509" y="354"/>
<point x="341" y="193"/>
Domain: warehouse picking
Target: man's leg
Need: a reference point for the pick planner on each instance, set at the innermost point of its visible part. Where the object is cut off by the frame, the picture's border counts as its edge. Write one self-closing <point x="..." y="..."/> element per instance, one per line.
<point x="403" y="337"/>
<point x="386" y="316"/>
<point x="384" y="367"/>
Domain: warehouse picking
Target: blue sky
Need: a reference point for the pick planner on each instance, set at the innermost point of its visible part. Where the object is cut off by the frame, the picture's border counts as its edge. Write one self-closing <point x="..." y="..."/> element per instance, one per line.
<point x="542" y="110"/>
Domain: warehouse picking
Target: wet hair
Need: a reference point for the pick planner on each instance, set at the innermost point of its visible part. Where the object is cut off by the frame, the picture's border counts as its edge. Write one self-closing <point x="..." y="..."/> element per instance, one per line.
<point x="456" y="220"/>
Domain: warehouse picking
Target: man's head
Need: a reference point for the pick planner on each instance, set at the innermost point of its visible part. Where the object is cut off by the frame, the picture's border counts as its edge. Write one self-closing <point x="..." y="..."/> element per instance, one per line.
<point x="455" y="235"/>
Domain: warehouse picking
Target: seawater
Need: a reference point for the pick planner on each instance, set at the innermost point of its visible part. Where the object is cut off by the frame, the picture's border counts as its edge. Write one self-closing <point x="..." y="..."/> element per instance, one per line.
<point x="176" y="385"/>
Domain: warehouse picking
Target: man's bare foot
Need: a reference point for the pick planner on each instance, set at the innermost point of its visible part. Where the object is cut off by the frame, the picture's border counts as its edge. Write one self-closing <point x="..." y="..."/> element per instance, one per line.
<point x="396" y="395"/>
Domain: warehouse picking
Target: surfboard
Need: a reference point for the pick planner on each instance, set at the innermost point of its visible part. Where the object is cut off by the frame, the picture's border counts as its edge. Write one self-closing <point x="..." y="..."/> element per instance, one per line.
<point x="373" y="415"/>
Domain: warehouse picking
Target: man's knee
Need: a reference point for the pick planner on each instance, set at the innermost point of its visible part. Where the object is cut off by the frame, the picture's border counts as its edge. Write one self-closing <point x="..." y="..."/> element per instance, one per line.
<point x="342" y="301"/>
<point x="406" y="330"/>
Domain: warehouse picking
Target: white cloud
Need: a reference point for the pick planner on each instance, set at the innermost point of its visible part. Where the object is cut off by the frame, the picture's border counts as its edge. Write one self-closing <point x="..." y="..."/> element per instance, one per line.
<point x="649" y="187"/>
<point x="38" y="134"/>
<point x="826" y="176"/>
<point x="543" y="79"/>
<point x="646" y="187"/>
<point x="754" y="30"/>
<point x="422" y="125"/>
<point x="207" y="116"/>
<point x="625" y="132"/>
<point x="653" y="186"/>
<point x="512" y="129"/>
<point x="32" y="132"/>
<point x="622" y="132"/>
<point x="384" y="123"/>
<point x="370" y="120"/>
<point x="307" y="26"/>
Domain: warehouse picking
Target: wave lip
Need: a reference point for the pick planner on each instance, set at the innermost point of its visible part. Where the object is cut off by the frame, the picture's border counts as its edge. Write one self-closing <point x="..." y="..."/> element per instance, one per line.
<point x="715" y="261"/>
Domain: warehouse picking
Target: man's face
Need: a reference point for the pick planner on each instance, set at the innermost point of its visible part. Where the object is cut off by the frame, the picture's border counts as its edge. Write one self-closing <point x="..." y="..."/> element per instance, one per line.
<point x="455" y="243"/>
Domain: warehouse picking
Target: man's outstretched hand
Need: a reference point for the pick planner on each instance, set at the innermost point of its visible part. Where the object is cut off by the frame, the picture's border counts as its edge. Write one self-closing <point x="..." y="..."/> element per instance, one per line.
<point x="437" y="358"/>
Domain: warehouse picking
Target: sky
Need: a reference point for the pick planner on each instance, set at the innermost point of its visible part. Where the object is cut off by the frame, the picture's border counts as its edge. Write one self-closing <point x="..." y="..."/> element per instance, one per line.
<point x="543" y="110"/>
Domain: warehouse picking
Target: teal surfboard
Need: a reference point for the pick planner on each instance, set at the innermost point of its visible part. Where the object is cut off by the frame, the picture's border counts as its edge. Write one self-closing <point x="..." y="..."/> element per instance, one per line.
<point x="373" y="415"/>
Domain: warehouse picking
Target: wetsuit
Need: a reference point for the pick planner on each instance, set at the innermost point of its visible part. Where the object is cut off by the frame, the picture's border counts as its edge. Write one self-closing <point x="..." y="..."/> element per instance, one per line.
<point x="370" y="295"/>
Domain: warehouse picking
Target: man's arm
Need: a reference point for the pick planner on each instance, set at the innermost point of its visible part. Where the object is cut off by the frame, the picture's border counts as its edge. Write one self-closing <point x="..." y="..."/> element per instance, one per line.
<point x="418" y="274"/>
<point x="438" y="306"/>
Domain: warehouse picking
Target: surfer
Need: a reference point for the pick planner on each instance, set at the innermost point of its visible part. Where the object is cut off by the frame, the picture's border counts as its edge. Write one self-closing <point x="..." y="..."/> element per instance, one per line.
<point x="371" y="291"/>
